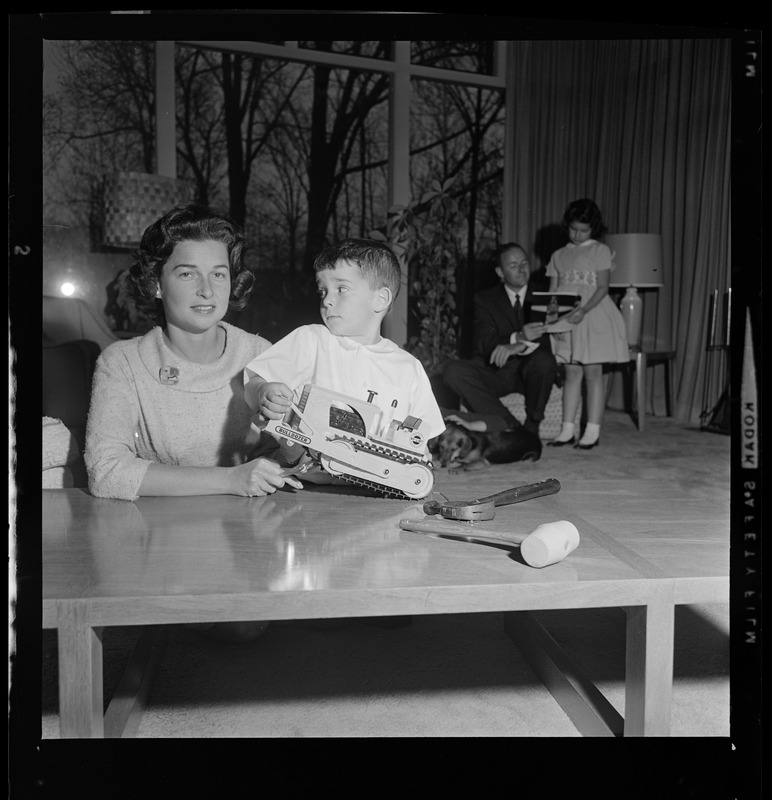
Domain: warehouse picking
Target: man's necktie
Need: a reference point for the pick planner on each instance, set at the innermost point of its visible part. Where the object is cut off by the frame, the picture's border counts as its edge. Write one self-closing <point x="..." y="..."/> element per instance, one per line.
<point x="518" y="313"/>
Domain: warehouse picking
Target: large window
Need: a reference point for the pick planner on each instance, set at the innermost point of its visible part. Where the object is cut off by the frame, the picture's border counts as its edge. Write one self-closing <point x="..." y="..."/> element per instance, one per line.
<point x="294" y="142"/>
<point x="474" y="57"/>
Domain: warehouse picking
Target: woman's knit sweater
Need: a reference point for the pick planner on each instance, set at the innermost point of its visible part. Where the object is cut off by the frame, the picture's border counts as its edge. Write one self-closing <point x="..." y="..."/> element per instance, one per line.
<point x="138" y="415"/>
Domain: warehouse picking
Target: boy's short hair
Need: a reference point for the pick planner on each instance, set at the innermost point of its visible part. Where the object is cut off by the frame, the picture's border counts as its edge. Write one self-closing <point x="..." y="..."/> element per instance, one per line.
<point x="376" y="261"/>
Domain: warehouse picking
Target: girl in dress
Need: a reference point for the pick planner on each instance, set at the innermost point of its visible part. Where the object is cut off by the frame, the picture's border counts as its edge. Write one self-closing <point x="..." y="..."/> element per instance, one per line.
<point x="598" y="336"/>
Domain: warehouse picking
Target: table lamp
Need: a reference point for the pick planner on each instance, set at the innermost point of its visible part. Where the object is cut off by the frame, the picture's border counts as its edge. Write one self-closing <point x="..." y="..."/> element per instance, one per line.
<point x="638" y="259"/>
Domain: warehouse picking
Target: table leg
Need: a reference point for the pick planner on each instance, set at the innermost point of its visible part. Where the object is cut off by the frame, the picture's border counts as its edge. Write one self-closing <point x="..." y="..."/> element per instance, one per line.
<point x="640" y="387"/>
<point x="649" y="668"/>
<point x="81" y="712"/>
<point x="577" y="695"/>
<point x="668" y="385"/>
<point x="124" y="712"/>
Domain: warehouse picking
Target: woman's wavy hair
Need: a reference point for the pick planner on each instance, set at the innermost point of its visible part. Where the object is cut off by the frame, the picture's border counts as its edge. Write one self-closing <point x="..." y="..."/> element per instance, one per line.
<point x="587" y="212"/>
<point x="185" y="223"/>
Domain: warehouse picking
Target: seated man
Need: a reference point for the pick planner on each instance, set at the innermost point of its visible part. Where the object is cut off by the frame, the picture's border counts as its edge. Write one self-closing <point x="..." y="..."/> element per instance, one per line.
<point x="511" y="353"/>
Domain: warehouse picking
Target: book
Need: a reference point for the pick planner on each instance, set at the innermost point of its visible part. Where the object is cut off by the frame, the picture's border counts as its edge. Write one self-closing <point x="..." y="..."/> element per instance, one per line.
<point x="553" y="308"/>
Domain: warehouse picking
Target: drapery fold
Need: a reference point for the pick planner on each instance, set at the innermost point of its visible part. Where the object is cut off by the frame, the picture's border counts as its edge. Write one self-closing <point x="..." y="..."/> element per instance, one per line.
<point x="642" y="127"/>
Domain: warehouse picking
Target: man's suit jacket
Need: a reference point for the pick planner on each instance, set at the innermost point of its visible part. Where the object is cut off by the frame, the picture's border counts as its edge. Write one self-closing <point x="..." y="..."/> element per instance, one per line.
<point x="494" y="320"/>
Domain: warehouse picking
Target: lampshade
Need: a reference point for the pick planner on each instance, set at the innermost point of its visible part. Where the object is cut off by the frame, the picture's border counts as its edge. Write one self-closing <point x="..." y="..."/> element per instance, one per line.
<point x="638" y="259"/>
<point x="134" y="200"/>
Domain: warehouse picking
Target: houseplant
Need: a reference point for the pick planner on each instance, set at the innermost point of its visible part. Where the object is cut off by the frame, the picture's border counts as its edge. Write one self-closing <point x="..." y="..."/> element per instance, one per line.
<point x="425" y="237"/>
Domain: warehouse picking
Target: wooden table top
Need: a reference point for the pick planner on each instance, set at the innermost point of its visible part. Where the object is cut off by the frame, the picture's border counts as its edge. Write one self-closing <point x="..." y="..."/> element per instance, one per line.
<point x="334" y="551"/>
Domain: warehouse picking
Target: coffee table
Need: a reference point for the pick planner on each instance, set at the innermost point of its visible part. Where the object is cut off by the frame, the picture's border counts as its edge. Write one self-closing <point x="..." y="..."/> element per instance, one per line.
<point x="328" y="552"/>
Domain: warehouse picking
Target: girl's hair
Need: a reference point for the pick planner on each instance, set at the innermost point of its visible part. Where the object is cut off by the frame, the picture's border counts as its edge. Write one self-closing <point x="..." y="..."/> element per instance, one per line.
<point x="185" y="223"/>
<point x="376" y="262"/>
<point x="587" y="212"/>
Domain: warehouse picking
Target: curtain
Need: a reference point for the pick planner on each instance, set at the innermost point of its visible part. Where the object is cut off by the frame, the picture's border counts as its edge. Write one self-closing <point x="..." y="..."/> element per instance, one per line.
<point x="643" y="128"/>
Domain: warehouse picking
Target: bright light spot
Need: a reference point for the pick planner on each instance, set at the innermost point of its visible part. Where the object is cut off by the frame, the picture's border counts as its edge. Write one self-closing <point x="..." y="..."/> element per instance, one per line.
<point x="67" y="289"/>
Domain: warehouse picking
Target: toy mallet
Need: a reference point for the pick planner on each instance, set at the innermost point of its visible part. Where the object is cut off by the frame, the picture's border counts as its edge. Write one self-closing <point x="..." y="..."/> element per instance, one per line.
<point x="547" y="544"/>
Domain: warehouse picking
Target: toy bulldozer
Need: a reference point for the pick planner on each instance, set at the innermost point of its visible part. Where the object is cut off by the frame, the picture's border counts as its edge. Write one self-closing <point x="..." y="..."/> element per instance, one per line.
<point x="352" y="439"/>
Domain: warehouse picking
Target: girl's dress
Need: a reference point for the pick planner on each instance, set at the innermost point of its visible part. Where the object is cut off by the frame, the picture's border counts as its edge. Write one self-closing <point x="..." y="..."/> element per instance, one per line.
<point x="601" y="336"/>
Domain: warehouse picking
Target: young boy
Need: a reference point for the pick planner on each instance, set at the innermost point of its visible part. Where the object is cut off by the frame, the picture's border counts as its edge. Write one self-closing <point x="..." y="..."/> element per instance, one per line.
<point x="358" y="280"/>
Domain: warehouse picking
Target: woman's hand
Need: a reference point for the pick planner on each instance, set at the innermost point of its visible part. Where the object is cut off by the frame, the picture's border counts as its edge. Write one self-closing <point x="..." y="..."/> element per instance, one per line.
<point x="259" y="477"/>
<point x="274" y="399"/>
<point x="577" y="315"/>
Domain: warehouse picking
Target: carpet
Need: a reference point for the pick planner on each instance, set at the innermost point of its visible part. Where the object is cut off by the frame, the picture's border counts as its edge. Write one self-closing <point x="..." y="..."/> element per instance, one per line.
<point x="442" y="675"/>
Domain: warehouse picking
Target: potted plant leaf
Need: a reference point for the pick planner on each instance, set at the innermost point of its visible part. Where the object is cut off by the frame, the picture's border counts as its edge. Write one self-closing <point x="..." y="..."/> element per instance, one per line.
<point x="425" y="237"/>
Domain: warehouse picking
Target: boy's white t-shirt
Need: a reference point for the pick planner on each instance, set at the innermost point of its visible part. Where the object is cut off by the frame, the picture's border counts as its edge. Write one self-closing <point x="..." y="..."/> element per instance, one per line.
<point x="311" y="354"/>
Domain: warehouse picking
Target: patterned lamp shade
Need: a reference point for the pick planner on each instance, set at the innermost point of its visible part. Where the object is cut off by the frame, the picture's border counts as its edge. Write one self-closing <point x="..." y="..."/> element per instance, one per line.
<point x="134" y="200"/>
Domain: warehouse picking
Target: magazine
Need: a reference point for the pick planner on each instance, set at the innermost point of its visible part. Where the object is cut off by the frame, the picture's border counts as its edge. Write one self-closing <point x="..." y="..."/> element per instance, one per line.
<point x="553" y="308"/>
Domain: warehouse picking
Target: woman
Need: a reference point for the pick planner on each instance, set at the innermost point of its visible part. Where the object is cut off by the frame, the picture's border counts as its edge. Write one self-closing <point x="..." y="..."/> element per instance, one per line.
<point x="167" y="414"/>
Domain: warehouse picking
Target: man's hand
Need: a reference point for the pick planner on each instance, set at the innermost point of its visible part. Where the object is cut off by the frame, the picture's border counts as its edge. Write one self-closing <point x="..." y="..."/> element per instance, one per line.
<point x="469" y="424"/>
<point x="274" y="399"/>
<point x="503" y="352"/>
<point x="533" y="330"/>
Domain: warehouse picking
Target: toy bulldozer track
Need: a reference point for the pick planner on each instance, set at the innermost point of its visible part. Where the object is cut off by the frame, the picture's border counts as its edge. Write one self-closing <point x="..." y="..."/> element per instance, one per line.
<point x="347" y="437"/>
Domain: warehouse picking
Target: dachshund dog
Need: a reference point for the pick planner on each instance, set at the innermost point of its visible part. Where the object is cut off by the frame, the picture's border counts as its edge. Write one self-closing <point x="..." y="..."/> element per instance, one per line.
<point x="463" y="449"/>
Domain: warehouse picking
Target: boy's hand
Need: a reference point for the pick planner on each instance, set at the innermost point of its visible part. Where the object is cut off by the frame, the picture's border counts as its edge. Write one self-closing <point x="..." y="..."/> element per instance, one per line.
<point x="274" y="399"/>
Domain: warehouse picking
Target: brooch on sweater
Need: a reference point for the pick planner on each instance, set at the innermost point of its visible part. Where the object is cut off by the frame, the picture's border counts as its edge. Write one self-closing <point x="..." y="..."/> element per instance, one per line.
<point x="168" y="375"/>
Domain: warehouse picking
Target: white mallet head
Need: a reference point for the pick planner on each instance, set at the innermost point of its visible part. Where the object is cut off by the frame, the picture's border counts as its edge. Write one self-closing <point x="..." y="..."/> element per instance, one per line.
<point x="549" y="543"/>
